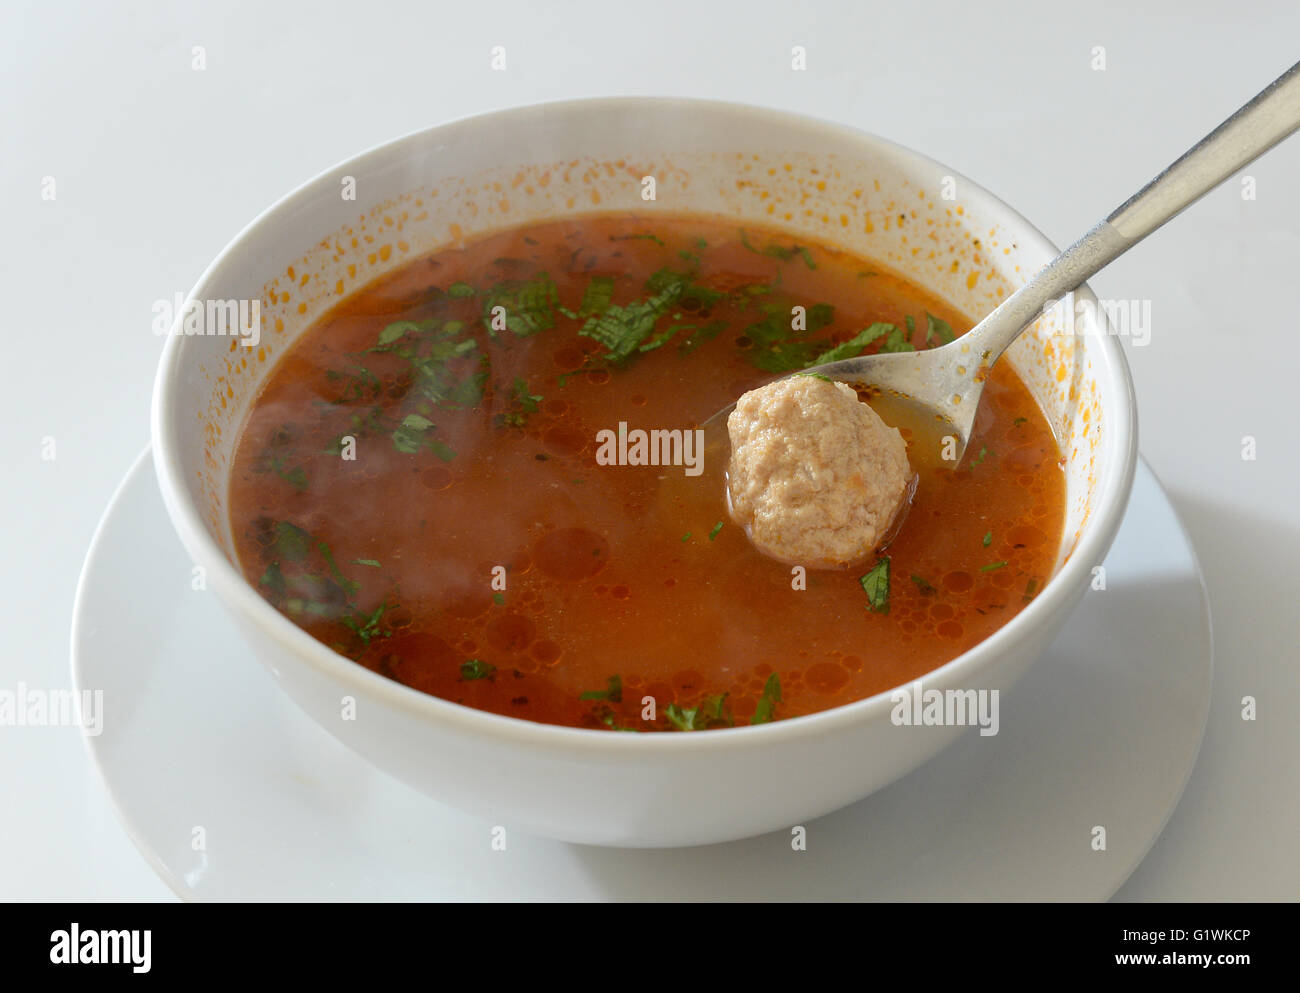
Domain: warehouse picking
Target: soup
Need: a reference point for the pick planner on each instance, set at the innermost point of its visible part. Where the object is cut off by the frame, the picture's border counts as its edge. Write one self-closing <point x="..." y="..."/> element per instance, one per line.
<point x="479" y="476"/>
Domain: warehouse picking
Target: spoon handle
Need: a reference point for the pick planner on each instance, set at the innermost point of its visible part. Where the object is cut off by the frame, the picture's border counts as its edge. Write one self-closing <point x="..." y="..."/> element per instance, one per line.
<point x="1271" y="116"/>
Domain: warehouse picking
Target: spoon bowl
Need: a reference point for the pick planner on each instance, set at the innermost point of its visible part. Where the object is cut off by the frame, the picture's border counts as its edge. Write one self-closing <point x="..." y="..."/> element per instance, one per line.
<point x="935" y="391"/>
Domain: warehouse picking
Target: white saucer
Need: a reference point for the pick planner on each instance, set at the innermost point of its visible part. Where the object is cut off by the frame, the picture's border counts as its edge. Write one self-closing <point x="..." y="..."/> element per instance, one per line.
<point x="1103" y="731"/>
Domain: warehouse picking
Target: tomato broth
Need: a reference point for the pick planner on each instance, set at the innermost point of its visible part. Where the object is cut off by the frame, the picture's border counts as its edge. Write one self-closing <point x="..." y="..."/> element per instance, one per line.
<point x="424" y="484"/>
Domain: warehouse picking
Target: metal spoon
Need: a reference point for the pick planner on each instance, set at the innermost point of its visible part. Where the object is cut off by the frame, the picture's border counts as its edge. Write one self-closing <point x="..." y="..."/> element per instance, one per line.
<point x="950" y="379"/>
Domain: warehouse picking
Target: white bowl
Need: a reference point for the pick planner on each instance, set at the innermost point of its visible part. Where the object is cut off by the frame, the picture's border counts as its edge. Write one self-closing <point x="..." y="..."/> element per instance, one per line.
<point x="452" y="182"/>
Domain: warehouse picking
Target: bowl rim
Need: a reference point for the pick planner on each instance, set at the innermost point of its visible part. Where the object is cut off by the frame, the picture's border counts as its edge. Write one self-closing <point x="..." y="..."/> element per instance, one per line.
<point x="1095" y="534"/>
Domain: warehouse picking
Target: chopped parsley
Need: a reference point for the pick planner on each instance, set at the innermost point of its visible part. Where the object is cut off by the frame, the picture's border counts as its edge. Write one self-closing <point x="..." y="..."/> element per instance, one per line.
<point x="303" y="579"/>
<point x="662" y="338"/>
<point x="366" y="626"/>
<point x="712" y="712"/>
<point x="693" y="296"/>
<point x="395" y="332"/>
<point x="699" y="336"/>
<point x="991" y="566"/>
<point x="773" y="350"/>
<point x="622" y="329"/>
<point x="604" y="714"/>
<point x="766" y="709"/>
<point x="612" y="692"/>
<point x="633" y="237"/>
<point x="988" y="539"/>
<point x="855" y="345"/>
<point x="529" y="305"/>
<point x="275" y="458"/>
<point x="927" y="588"/>
<point x="477" y="669"/>
<point x="876" y="585"/>
<point x="820" y="315"/>
<point x="433" y="349"/>
<point x="716" y="528"/>
<point x="984" y="453"/>
<point x="291" y="541"/>
<point x="273" y="580"/>
<point x="415" y="433"/>
<point x="782" y="252"/>
<point x="359" y="383"/>
<point x="598" y="296"/>
<point x="295" y="477"/>
<point x="937" y="328"/>
<point x="460" y="290"/>
<point x="523" y="403"/>
<point x="897" y="341"/>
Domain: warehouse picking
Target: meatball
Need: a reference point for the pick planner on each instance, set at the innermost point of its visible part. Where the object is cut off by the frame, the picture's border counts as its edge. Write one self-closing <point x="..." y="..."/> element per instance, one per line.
<point x="816" y="477"/>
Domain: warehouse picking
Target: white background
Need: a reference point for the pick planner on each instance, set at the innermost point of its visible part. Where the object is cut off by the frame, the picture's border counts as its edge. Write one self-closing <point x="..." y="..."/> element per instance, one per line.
<point x="157" y="166"/>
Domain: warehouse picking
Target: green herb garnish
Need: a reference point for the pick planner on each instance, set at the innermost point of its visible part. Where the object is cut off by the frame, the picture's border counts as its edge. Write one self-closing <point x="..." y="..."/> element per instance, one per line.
<point x="776" y="347"/>
<point x="855" y="345"/>
<point x="820" y="315"/>
<point x="291" y="541"/>
<point x="477" y="669"/>
<point x="716" y="528"/>
<point x="304" y="579"/>
<point x="633" y="237"/>
<point x="697" y="338"/>
<point x="529" y="305"/>
<point x="662" y="338"/>
<point x="923" y="585"/>
<point x="527" y="403"/>
<point x="897" y="341"/>
<point x="366" y="626"/>
<point x="597" y="297"/>
<point x="991" y="566"/>
<point x="766" y="709"/>
<point x="413" y="434"/>
<point x="295" y="477"/>
<point x="612" y="692"/>
<point x="712" y="712"/>
<point x="988" y="539"/>
<point x="274" y="458"/>
<point x="622" y="329"/>
<point x="782" y="252"/>
<point x="937" y="328"/>
<point x="359" y="383"/>
<point x="876" y="585"/>
<point x="273" y="580"/>
<point x="394" y="332"/>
